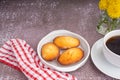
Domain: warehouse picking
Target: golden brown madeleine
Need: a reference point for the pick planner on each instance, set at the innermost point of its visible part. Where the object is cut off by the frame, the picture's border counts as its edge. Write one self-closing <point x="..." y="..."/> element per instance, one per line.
<point x="49" y="51"/>
<point x="71" y="56"/>
<point x="65" y="42"/>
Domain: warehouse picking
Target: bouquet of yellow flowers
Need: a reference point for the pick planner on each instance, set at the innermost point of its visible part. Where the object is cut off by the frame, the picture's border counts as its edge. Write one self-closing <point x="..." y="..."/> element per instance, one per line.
<point x="110" y="18"/>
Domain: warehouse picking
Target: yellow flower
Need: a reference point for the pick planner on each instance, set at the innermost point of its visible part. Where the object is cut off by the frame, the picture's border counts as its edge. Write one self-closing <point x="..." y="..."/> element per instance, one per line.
<point x="113" y="9"/>
<point x="103" y="4"/>
<point x="111" y="15"/>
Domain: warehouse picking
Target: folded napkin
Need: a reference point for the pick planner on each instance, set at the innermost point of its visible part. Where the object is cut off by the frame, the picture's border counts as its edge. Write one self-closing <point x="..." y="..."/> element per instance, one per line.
<point x="19" y="55"/>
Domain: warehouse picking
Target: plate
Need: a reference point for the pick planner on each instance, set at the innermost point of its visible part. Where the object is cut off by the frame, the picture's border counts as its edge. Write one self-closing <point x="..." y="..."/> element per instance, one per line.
<point x="54" y="64"/>
<point x="101" y="63"/>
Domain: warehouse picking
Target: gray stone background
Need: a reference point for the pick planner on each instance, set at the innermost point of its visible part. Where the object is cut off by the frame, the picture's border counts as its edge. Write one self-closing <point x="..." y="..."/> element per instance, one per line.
<point x="31" y="20"/>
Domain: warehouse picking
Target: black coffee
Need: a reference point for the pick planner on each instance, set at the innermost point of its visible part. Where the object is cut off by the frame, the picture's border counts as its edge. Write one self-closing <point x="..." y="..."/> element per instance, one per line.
<point x="114" y="44"/>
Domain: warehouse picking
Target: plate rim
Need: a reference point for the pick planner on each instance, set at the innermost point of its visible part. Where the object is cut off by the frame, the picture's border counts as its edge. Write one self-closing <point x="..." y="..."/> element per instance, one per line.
<point x="72" y="68"/>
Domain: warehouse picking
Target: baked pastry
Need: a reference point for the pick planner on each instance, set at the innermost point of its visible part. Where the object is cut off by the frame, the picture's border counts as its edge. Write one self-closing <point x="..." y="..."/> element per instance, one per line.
<point x="71" y="56"/>
<point x="49" y="51"/>
<point x="66" y="42"/>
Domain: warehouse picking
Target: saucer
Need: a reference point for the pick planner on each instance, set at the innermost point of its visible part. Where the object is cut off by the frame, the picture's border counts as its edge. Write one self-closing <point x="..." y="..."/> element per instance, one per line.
<point x="101" y="63"/>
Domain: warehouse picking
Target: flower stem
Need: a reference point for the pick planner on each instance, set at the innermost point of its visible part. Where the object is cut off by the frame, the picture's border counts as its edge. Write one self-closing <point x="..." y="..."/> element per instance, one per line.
<point x="113" y="24"/>
<point x="106" y="24"/>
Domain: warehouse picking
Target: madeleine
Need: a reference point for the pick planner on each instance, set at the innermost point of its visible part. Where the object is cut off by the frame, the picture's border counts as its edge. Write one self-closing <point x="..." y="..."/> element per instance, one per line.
<point x="71" y="56"/>
<point x="66" y="42"/>
<point x="49" y="51"/>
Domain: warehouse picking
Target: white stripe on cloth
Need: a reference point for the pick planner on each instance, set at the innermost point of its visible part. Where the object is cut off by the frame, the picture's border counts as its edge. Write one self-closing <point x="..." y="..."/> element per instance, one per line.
<point x="19" y="55"/>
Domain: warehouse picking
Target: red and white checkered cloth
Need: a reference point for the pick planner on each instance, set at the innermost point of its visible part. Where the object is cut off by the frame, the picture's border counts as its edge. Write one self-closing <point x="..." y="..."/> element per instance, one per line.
<point x="19" y="55"/>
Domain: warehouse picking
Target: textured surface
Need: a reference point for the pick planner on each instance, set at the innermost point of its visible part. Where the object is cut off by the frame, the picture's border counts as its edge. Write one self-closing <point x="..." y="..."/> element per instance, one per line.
<point x="33" y="19"/>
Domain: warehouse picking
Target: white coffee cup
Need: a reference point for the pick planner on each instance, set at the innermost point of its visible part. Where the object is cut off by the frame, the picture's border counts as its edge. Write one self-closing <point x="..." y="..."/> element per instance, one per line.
<point x="112" y="57"/>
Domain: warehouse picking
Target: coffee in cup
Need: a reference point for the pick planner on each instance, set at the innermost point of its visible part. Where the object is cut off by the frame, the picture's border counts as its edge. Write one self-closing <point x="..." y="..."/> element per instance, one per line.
<point x="111" y="47"/>
<point x="114" y="44"/>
